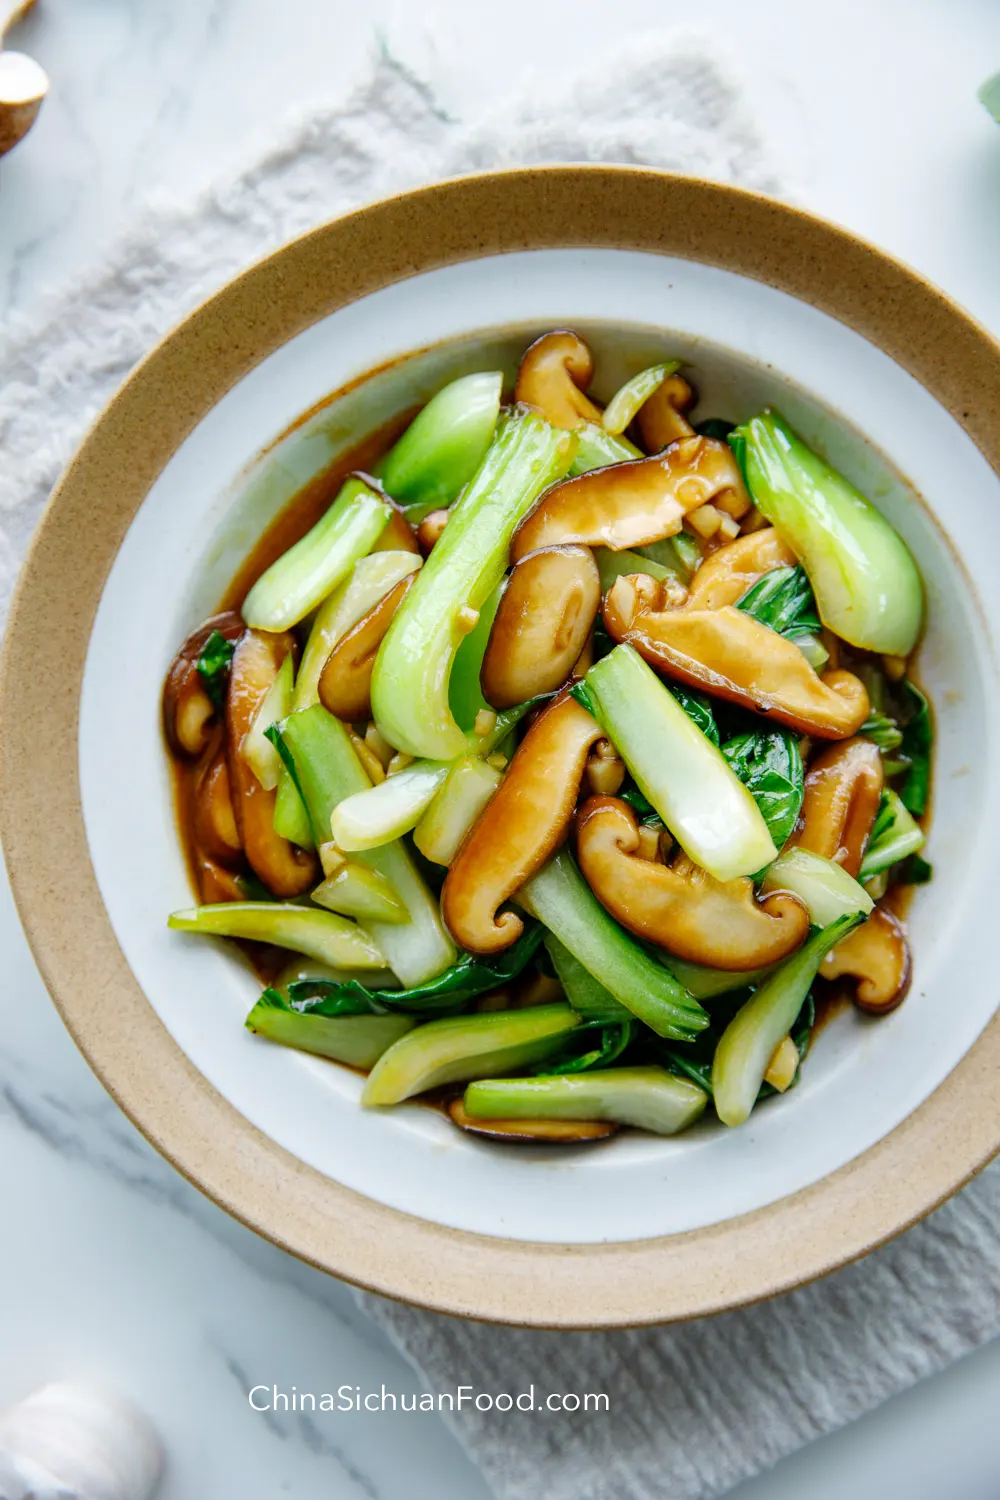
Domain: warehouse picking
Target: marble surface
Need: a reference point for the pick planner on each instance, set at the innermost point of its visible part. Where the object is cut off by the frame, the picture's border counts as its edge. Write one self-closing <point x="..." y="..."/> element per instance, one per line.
<point x="113" y="1265"/>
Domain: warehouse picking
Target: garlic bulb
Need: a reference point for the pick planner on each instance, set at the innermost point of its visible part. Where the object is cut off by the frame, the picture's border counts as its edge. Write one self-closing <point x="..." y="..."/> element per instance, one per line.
<point x="76" y="1440"/>
<point x="23" y="84"/>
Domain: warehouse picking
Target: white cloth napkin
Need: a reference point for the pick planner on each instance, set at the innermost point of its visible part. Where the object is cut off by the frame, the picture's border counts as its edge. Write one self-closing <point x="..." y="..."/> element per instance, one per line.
<point x="662" y="102"/>
<point x="695" y="1408"/>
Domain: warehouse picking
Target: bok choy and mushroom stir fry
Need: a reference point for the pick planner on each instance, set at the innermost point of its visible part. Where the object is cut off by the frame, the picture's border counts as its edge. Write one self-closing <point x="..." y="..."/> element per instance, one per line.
<point x="566" y="761"/>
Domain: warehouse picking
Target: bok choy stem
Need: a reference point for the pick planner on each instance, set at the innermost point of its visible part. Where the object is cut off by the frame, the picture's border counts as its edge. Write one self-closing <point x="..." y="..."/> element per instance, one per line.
<point x="358" y="1041"/>
<point x="443" y="446"/>
<point x="410" y="681"/>
<point x="379" y="814"/>
<point x="867" y="586"/>
<point x="370" y="580"/>
<point x="304" y="575"/>
<point x="319" y="934"/>
<point x="677" y="768"/>
<point x="897" y="835"/>
<point x="824" y="887"/>
<point x="329" y="770"/>
<point x="463" y="1047"/>
<point x="649" y="1098"/>
<point x="562" y="900"/>
<point x="748" y="1042"/>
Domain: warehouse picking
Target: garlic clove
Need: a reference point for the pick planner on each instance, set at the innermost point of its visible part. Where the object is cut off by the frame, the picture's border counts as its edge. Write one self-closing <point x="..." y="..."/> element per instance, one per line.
<point x="23" y="86"/>
<point x="92" y="1440"/>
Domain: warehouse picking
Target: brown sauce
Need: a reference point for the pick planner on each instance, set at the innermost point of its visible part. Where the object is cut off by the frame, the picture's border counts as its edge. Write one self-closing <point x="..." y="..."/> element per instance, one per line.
<point x="307" y="506"/>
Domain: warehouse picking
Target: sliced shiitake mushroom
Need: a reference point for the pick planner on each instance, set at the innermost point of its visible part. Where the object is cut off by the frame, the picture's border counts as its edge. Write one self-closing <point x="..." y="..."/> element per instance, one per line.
<point x="681" y="908"/>
<point x="843" y="789"/>
<point x="565" y="1131"/>
<point x="732" y="655"/>
<point x="554" y="374"/>
<point x="284" y="869"/>
<point x="188" y="712"/>
<point x="346" y="679"/>
<point x="541" y="626"/>
<point x="526" y="819"/>
<point x="214" y="881"/>
<point x="213" y="820"/>
<point x="725" y="576"/>
<point x="662" y="418"/>
<point x="630" y="504"/>
<point x="877" y="955"/>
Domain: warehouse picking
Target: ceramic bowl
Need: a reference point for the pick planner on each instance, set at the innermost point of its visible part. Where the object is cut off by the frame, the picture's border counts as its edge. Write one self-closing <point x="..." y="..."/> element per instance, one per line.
<point x="207" y="441"/>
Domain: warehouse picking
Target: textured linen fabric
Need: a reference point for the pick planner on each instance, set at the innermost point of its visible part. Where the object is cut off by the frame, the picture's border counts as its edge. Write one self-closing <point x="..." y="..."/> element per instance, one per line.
<point x="661" y="102"/>
<point x="697" y="1407"/>
<point x="694" y="1408"/>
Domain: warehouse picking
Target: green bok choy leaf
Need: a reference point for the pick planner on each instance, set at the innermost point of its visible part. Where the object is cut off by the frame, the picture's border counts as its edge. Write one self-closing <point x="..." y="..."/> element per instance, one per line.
<point x="466" y="979"/>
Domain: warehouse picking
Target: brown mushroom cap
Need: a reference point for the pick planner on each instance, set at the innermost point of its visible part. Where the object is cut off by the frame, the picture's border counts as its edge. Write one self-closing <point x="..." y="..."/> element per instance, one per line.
<point x="555" y="371"/>
<point x="345" y="683"/>
<point x="878" y="956"/>
<point x="731" y="655"/>
<point x="526" y="819"/>
<point x="543" y="1131"/>
<point x="630" y="504"/>
<point x="541" y="626"/>
<point x="843" y="788"/>
<point x="682" y="908"/>
<point x="724" y="577"/>
<point x="284" y="869"/>
<point x="661" y="417"/>
<point x="214" y="822"/>
<point x="188" y="712"/>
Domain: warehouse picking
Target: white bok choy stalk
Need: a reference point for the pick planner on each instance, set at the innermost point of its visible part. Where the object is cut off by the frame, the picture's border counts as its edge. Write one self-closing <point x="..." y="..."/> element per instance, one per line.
<point x="749" y="1041"/>
<point x="304" y="575"/>
<point x="896" y="835"/>
<point x="370" y="580"/>
<point x="443" y="446"/>
<point x="624" y="405"/>
<point x="385" y="812"/>
<point x="463" y="1047"/>
<point x="328" y="771"/>
<point x="682" y="774"/>
<point x="318" y="934"/>
<point x="648" y="1098"/>
<point x="867" y="586"/>
<point x="824" y="887"/>
<point x="455" y="807"/>
<point x="358" y="1041"/>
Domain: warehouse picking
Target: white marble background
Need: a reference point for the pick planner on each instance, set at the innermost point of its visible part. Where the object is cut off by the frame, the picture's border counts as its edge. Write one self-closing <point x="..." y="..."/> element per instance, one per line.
<point x="110" y="1264"/>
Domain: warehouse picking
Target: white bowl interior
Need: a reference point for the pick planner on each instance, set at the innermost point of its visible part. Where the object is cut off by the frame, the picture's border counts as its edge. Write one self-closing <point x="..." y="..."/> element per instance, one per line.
<point x="747" y="344"/>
